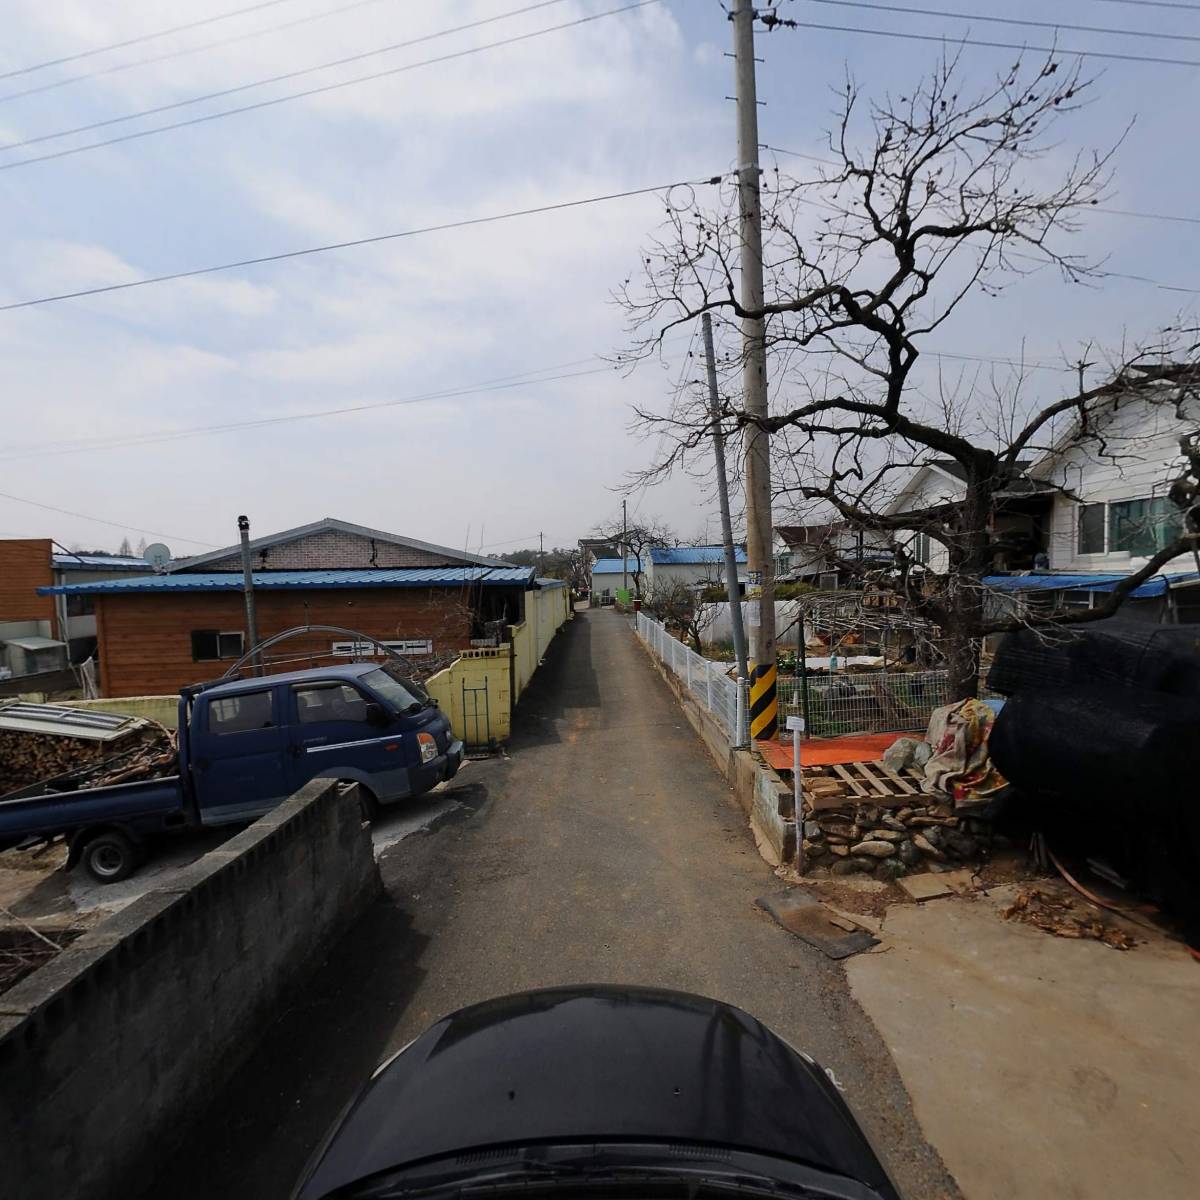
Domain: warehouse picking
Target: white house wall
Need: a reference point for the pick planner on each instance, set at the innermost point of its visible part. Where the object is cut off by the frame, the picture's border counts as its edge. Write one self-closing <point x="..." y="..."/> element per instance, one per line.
<point x="928" y="487"/>
<point x="1146" y="438"/>
<point x="665" y="574"/>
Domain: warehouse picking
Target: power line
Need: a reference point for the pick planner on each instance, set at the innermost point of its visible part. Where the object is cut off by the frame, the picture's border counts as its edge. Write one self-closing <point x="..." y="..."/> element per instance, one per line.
<point x="188" y="50"/>
<point x="367" y="241"/>
<point x="314" y="91"/>
<point x="145" y="37"/>
<point x="960" y="16"/>
<point x="325" y="66"/>
<point x="1024" y="47"/>
<point x="1154" y="4"/>
<point x="67" y="512"/>
<point x="1115" y="212"/>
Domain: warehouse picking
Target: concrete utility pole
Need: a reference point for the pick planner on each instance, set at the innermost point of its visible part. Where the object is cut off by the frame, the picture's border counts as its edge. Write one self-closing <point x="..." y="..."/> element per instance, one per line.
<point x="731" y="574"/>
<point x="764" y="707"/>
<point x="248" y="589"/>
<point x="624" y="546"/>
<point x="541" y="554"/>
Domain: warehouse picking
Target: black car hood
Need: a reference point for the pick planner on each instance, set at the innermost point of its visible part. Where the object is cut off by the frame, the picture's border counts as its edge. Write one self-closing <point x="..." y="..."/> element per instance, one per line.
<point x="596" y="1063"/>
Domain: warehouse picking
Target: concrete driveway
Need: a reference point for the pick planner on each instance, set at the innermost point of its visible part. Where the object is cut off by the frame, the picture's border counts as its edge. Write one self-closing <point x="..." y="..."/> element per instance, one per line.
<point x="605" y="847"/>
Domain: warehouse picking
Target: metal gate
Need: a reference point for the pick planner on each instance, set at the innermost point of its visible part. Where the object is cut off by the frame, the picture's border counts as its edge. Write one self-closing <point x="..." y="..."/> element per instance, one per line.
<point x="476" y="715"/>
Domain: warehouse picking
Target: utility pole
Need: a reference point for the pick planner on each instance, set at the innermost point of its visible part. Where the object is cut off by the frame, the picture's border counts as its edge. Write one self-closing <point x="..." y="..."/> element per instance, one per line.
<point x="248" y="590"/>
<point x="624" y="546"/>
<point x="764" y="709"/>
<point x="541" y="554"/>
<point x="731" y="575"/>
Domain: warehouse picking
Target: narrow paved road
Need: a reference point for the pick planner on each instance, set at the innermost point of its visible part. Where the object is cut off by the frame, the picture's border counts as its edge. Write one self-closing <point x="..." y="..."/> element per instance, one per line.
<point x="606" y="847"/>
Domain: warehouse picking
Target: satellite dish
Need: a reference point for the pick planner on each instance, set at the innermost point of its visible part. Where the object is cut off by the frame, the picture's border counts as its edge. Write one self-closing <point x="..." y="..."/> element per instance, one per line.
<point x="157" y="555"/>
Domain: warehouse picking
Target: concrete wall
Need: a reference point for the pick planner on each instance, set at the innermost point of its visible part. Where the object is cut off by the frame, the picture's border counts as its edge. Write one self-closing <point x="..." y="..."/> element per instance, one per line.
<point x="106" y="1052"/>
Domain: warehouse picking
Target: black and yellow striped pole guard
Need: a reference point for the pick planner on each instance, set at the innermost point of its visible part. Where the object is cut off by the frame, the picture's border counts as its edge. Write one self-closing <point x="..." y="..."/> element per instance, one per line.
<point x="764" y="702"/>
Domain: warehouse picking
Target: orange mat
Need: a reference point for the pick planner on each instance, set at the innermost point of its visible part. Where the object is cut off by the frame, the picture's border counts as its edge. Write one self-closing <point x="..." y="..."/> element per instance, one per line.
<point x="825" y="752"/>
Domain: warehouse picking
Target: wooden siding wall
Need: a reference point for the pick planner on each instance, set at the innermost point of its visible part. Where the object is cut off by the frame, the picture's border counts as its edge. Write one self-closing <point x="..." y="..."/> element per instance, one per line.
<point x="146" y="645"/>
<point x="25" y="567"/>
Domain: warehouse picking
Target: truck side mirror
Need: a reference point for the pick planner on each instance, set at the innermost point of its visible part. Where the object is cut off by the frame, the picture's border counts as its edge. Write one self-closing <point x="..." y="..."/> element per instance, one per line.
<point x="375" y="714"/>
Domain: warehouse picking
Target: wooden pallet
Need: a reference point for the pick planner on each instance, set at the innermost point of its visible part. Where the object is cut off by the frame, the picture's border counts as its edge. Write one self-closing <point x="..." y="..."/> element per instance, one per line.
<point x="873" y="783"/>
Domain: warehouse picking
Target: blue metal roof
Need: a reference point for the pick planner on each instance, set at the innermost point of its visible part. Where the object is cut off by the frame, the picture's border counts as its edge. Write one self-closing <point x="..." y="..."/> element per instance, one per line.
<point x="680" y="556"/>
<point x="612" y="566"/>
<point x="231" y="581"/>
<point x="1156" y="585"/>
<point x="84" y="562"/>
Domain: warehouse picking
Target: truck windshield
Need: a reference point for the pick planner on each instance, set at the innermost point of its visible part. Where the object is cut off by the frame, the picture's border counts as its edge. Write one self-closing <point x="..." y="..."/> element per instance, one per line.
<point x="404" y="694"/>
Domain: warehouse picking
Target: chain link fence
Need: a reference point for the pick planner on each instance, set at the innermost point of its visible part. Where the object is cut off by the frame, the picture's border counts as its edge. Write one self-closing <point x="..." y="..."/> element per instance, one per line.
<point x="871" y="702"/>
<point x="707" y="681"/>
<point x="836" y="703"/>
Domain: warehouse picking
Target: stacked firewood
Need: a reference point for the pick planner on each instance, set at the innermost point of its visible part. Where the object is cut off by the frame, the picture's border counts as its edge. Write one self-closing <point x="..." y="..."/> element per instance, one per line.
<point x="30" y="758"/>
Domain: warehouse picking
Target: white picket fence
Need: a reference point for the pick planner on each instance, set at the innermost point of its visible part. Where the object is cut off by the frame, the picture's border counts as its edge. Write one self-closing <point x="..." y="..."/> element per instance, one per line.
<point x="707" y="681"/>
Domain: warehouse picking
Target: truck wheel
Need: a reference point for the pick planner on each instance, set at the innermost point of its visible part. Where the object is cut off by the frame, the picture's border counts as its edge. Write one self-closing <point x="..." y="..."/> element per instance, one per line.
<point x="368" y="804"/>
<point x="110" y="857"/>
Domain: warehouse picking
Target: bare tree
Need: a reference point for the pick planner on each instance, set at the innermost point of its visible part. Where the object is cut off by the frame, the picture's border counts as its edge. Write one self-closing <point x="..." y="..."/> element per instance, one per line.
<point x="953" y="194"/>
<point x="639" y="538"/>
<point x="681" y="607"/>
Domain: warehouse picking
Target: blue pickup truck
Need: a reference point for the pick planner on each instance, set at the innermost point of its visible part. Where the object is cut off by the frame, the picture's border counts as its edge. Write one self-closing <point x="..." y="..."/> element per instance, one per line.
<point x="244" y="746"/>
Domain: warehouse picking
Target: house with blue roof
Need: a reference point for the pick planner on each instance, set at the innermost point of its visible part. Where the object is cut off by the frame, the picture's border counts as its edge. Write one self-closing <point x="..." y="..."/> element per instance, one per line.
<point x="185" y="623"/>
<point x="696" y="566"/>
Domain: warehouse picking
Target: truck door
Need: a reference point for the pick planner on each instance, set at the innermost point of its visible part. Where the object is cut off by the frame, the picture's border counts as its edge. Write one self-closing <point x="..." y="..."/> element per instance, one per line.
<point x="239" y="758"/>
<point x="332" y="737"/>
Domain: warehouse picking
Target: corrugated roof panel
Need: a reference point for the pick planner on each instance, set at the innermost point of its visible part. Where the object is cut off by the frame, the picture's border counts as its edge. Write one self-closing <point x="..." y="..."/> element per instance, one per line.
<point x="1156" y="585"/>
<point x="22" y="716"/>
<point x="231" y="581"/>
<point x="612" y="566"/>
<point x="686" y="556"/>
<point x="84" y="562"/>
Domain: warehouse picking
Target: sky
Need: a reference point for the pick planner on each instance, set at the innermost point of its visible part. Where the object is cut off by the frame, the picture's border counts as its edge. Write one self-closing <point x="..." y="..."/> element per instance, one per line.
<point x="102" y="396"/>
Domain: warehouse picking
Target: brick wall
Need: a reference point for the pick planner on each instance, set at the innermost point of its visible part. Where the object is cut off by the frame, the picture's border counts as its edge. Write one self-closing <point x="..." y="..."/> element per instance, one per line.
<point x="25" y="567"/>
<point x="146" y="646"/>
<point x="332" y="551"/>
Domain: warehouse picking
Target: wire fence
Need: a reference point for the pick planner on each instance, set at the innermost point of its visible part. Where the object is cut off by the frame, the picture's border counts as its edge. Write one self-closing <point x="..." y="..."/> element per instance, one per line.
<point x="871" y="702"/>
<point x="836" y="703"/>
<point x="707" y="681"/>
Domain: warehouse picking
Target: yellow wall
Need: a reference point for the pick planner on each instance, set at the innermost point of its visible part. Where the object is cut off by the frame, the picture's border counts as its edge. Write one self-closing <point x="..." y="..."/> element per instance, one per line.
<point x="545" y="612"/>
<point x="476" y="719"/>
<point x="507" y="669"/>
<point x="163" y="709"/>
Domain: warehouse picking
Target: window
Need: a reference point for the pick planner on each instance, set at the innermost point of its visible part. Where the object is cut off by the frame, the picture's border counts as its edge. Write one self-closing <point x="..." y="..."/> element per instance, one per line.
<point x="405" y="695"/>
<point x="1142" y="527"/>
<point x="81" y="606"/>
<point x="1077" y="598"/>
<point x="237" y="714"/>
<point x="921" y="549"/>
<point x="416" y="646"/>
<point x="1090" y="533"/>
<point x="337" y="702"/>
<point x="209" y="644"/>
